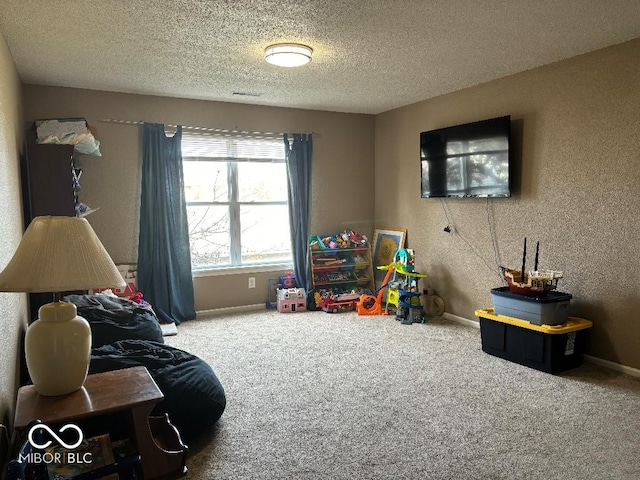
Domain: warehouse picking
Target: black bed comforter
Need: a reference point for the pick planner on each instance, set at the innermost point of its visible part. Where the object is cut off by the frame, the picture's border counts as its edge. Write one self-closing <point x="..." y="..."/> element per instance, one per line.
<point x="113" y="319"/>
<point x="193" y="396"/>
<point x="127" y="334"/>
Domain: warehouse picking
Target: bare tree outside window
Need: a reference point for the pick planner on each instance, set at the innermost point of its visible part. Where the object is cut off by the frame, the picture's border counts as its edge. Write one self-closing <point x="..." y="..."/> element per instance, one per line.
<point x="236" y="203"/>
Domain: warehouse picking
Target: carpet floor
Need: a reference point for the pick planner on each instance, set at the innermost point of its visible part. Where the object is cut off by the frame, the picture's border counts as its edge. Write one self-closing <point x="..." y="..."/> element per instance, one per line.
<point x="340" y="396"/>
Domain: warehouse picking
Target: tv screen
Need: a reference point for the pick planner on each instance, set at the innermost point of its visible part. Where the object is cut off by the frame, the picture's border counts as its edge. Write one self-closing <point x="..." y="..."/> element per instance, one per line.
<point x="470" y="160"/>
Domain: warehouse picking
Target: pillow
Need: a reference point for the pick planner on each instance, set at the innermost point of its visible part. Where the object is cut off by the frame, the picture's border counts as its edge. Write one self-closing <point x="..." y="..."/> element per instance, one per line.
<point x="193" y="395"/>
<point x="114" y="318"/>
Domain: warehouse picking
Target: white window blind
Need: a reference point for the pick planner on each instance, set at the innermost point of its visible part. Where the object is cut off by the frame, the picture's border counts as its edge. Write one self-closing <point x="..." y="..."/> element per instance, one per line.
<point x="236" y="192"/>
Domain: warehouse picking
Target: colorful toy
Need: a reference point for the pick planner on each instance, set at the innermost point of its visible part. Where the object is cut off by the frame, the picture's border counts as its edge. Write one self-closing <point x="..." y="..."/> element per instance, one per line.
<point x="338" y="240"/>
<point x="535" y="283"/>
<point x="401" y="282"/>
<point x="404" y="277"/>
<point x="292" y="300"/>
<point x="371" y="304"/>
<point x="137" y="297"/>
<point x="288" y="280"/>
<point x="339" y="302"/>
<point x="409" y="307"/>
<point x="355" y="238"/>
<point x="406" y="257"/>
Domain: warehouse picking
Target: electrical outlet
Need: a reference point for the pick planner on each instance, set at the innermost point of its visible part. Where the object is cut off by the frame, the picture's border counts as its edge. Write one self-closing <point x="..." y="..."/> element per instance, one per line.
<point x="252" y="282"/>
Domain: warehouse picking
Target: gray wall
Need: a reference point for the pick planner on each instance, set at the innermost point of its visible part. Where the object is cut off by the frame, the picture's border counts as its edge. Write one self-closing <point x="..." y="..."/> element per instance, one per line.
<point x="577" y="144"/>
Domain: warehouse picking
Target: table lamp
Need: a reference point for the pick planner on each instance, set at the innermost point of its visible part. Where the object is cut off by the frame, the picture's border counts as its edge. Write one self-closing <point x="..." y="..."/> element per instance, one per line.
<point x="59" y="254"/>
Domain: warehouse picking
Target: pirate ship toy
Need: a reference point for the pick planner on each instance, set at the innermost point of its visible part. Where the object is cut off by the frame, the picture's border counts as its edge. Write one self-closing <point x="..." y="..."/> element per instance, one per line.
<point x="534" y="283"/>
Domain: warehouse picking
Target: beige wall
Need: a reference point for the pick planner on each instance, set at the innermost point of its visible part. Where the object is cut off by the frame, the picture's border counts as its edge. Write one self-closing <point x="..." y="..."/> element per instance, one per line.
<point x="13" y="306"/>
<point x="576" y="125"/>
<point x="342" y="167"/>
<point x="576" y="140"/>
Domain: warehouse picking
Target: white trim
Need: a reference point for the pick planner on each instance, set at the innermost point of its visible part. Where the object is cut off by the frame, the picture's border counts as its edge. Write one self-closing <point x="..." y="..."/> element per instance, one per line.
<point x="224" y="310"/>
<point x="462" y="320"/>
<point x="239" y="270"/>
<point x="617" y="367"/>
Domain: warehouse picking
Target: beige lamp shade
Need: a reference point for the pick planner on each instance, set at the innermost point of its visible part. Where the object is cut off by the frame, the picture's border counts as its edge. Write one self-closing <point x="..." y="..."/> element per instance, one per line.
<point x="59" y="254"/>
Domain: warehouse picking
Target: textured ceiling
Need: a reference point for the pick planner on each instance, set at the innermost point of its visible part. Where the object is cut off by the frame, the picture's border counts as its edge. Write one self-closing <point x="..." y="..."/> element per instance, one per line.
<point x="369" y="56"/>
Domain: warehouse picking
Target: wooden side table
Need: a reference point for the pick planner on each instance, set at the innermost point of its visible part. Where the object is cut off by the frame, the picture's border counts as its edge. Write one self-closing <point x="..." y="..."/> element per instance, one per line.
<point x="131" y="392"/>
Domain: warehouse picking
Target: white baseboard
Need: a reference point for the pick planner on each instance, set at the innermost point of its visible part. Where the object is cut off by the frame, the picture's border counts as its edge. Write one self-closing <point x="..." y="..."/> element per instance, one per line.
<point x="462" y="320"/>
<point x="225" y="310"/>
<point x="634" y="372"/>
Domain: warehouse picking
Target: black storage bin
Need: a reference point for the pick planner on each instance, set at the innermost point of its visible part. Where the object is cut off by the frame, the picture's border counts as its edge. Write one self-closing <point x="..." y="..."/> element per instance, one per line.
<point x="551" y="349"/>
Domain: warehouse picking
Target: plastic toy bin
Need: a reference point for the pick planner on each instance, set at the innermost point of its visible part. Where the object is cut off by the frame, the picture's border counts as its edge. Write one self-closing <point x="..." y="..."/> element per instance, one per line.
<point x="550" y="309"/>
<point x="548" y="348"/>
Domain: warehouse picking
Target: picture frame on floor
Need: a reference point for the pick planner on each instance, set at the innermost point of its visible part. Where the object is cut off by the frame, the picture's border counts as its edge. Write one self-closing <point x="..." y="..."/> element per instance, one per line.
<point x="386" y="241"/>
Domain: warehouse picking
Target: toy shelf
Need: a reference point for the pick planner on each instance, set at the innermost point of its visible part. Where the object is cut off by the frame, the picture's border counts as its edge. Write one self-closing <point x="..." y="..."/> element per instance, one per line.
<point x="341" y="266"/>
<point x="342" y="269"/>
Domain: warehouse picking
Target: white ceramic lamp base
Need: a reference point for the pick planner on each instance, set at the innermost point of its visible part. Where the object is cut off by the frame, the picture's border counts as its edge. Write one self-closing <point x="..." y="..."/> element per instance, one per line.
<point x="58" y="349"/>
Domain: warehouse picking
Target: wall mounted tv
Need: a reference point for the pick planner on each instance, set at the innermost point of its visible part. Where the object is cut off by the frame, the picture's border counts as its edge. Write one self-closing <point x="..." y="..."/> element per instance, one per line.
<point x="470" y="160"/>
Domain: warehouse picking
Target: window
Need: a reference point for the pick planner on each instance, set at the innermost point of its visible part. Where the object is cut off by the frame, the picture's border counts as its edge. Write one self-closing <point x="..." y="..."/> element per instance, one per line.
<point x="236" y="193"/>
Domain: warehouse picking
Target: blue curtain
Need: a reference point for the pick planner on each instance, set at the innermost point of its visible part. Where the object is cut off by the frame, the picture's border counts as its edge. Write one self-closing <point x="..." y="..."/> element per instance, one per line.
<point x="164" y="259"/>
<point x="298" y="158"/>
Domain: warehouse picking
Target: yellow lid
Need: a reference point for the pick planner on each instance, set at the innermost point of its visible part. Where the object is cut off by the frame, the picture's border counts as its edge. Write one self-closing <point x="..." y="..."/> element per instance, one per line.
<point x="572" y="324"/>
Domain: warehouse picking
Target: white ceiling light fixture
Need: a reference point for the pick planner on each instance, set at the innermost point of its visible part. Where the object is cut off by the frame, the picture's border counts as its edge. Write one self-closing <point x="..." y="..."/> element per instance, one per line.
<point x="288" y="54"/>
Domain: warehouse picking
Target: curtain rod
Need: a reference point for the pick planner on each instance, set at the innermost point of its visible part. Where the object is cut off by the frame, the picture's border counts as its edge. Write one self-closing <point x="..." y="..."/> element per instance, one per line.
<point x="205" y="130"/>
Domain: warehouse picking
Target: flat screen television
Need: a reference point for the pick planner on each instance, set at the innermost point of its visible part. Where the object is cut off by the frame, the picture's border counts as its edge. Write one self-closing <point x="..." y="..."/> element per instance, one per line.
<point x="470" y="160"/>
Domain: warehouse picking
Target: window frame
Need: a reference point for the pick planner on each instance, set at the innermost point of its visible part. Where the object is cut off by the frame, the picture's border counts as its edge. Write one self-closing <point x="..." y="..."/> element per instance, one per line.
<point x="234" y="206"/>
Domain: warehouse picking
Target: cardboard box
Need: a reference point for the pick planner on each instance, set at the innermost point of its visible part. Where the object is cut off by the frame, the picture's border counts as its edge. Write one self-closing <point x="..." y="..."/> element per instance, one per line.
<point x="551" y="349"/>
<point x="129" y="274"/>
